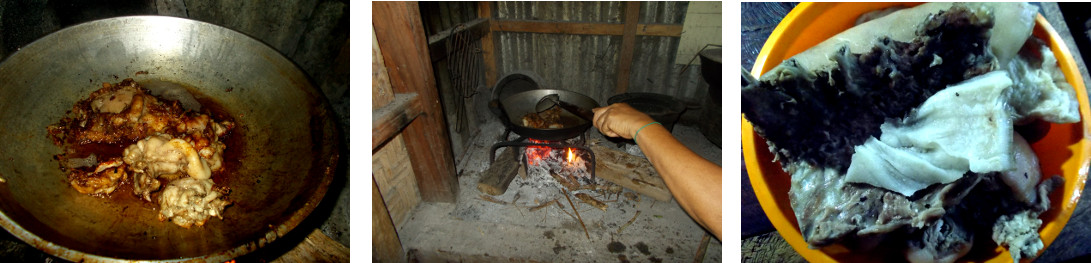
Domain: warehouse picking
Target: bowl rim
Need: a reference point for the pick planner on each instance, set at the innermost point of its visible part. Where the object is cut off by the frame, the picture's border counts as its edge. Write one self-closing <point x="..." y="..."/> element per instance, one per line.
<point x="786" y="226"/>
<point x="333" y="138"/>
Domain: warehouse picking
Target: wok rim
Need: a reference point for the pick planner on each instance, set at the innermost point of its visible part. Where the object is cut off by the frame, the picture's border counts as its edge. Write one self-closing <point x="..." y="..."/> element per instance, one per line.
<point x="331" y="138"/>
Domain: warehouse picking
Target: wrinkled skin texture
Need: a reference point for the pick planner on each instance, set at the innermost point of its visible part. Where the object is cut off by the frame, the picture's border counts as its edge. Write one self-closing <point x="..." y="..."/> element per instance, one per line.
<point x="191" y="201"/>
<point x="849" y="103"/>
<point x="159" y="156"/>
<point x="812" y="119"/>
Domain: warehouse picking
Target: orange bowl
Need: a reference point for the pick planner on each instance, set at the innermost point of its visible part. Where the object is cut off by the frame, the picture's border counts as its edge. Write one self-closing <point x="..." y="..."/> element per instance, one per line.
<point x="1065" y="150"/>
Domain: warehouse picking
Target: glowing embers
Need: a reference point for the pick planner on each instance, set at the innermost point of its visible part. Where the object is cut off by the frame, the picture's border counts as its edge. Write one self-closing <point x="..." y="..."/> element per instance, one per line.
<point x="566" y="161"/>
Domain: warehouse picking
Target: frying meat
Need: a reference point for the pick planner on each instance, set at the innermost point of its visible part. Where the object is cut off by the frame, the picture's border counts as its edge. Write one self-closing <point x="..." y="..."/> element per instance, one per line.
<point x="125" y="112"/>
<point x="103" y="180"/>
<point x="161" y="143"/>
<point x="548" y="119"/>
<point x="159" y="155"/>
<point x="191" y="201"/>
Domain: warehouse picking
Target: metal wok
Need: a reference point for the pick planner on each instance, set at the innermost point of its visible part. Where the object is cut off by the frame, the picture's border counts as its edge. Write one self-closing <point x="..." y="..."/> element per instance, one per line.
<point x="287" y="155"/>
<point x="516" y="106"/>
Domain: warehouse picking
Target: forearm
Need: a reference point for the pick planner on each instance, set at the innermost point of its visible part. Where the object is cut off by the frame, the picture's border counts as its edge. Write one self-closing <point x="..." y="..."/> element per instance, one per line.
<point x="695" y="182"/>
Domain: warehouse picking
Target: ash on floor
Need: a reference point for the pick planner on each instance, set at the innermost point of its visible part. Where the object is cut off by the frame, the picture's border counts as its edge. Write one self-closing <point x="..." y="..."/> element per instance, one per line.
<point x="479" y="227"/>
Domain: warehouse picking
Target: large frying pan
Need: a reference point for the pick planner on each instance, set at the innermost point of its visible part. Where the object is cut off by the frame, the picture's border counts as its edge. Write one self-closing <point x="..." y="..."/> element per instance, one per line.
<point x="516" y="106"/>
<point x="287" y="153"/>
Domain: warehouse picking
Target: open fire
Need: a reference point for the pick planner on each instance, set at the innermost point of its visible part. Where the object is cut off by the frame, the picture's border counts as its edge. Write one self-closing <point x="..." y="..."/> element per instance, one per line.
<point x="565" y="161"/>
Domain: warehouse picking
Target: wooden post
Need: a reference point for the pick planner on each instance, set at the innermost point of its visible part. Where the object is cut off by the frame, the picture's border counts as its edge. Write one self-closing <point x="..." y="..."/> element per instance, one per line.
<point x="386" y="247"/>
<point x="400" y="35"/>
<point x="628" y="43"/>
<point x="488" y="48"/>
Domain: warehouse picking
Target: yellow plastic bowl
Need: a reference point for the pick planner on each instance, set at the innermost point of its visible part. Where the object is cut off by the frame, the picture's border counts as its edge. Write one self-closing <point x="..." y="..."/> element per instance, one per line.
<point x="1065" y="149"/>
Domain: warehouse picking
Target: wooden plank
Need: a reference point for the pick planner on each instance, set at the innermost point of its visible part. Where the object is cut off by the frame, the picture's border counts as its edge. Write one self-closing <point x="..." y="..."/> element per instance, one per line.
<point x="659" y="30"/>
<point x="577" y="28"/>
<point x="381" y="92"/>
<point x="317" y="247"/>
<point x="488" y="43"/>
<point x="437" y="43"/>
<point x="389" y="120"/>
<point x="392" y="170"/>
<point x="499" y="175"/>
<point x="401" y="37"/>
<point x="626" y="170"/>
<point x="385" y="245"/>
<point x="628" y="44"/>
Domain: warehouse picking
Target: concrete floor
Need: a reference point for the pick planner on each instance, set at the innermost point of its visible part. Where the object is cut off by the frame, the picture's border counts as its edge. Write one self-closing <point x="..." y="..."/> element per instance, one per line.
<point x="473" y="229"/>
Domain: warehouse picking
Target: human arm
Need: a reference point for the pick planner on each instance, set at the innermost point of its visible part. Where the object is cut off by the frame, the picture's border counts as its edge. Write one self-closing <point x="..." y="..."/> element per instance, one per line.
<point x="695" y="182"/>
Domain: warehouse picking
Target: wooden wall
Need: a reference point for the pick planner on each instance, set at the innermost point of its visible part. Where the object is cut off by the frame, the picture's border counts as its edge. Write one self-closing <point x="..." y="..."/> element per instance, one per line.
<point x="390" y="164"/>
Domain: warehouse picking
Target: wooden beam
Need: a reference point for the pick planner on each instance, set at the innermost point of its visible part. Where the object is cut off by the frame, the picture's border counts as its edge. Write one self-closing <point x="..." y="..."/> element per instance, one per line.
<point x="577" y="28"/>
<point x="488" y="43"/>
<point x="386" y="247"/>
<point x="404" y="46"/>
<point x="389" y="120"/>
<point x="476" y="25"/>
<point x="381" y="92"/>
<point x="628" y="44"/>
<point x="659" y="30"/>
<point x="437" y="43"/>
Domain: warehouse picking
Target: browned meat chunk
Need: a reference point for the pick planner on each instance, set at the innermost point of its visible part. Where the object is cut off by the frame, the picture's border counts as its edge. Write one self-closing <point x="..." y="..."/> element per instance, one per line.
<point x="103" y="180"/>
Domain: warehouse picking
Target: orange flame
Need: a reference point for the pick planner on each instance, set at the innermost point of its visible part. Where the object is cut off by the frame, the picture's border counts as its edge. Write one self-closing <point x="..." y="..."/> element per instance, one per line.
<point x="572" y="159"/>
<point x="535" y="154"/>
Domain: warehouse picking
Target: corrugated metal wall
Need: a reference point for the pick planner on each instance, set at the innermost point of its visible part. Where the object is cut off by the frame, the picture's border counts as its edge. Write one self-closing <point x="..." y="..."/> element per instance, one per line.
<point x="591" y="12"/>
<point x="588" y="64"/>
<point x="581" y="63"/>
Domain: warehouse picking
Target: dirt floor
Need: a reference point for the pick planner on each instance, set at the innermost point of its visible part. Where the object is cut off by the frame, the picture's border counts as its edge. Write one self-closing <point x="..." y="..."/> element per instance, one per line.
<point x="475" y="229"/>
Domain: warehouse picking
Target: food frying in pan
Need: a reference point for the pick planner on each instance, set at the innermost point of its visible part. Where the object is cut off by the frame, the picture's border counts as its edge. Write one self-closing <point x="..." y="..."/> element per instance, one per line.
<point x="166" y="150"/>
<point x="548" y="119"/>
